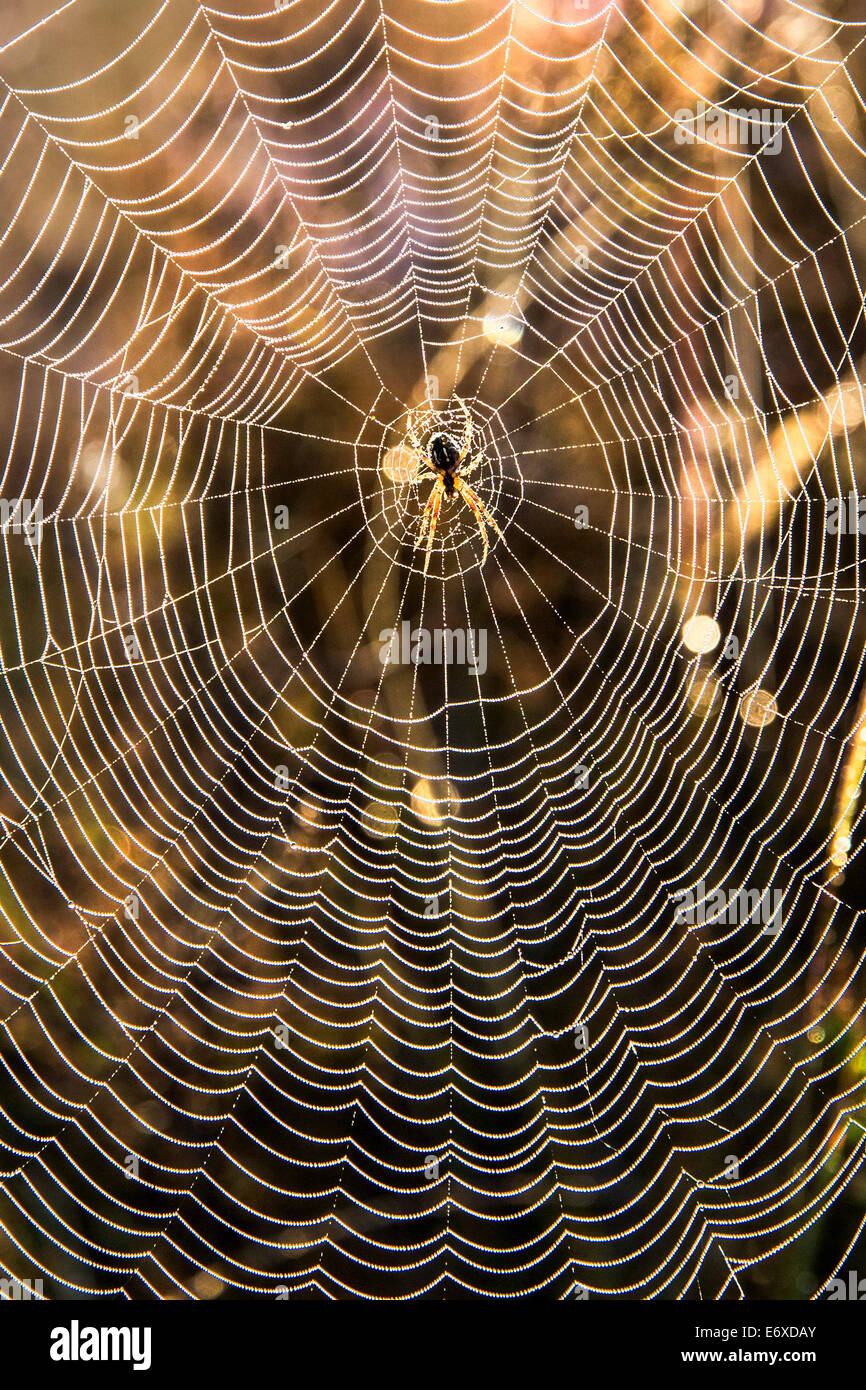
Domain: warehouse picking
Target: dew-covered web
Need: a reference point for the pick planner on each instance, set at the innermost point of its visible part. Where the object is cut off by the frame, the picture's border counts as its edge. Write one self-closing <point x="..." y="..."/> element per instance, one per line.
<point x="331" y="975"/>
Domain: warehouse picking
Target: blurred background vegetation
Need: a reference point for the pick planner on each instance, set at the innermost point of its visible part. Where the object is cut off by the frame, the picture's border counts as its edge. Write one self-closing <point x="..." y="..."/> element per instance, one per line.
<point x="169" y="383"/>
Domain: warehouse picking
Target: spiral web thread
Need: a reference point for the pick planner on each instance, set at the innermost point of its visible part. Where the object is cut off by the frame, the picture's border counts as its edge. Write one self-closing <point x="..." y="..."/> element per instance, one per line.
<point x="324" y="977"/>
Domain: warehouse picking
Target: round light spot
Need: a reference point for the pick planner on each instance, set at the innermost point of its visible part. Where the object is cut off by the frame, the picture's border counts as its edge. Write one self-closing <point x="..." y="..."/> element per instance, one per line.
<point x="701" y="633"/>
<point x="305" y="813"/>
<point x="399" y="464"/>
<point x="433" y="804"/>
<point x="206" y="1285"/>
<point x="840" y="850"/>
<point x="757" y="708"/>
<point x="380" y="820"/>
<point x="503" y="328"/>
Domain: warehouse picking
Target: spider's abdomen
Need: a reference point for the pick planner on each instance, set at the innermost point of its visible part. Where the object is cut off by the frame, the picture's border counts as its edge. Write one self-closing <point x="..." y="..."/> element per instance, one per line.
<point x="443" y="453"/>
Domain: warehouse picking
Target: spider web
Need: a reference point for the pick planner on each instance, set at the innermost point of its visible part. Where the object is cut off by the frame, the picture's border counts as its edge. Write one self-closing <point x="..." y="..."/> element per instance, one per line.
<point x="331" y="975"/>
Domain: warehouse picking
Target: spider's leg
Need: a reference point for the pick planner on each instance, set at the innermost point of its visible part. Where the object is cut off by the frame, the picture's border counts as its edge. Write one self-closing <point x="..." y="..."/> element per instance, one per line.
<point x="429" y="518"/>
<point x="466" y="443"/>
<point x="479" y="519"/>
<point x="474" y="464"/>
<point x="475" y="502"/>
<point x="482" y="515"/>
<point x="425" y="517"/>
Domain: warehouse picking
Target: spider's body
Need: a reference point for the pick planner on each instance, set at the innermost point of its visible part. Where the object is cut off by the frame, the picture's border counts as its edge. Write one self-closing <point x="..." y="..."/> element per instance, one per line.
<point x="444" y="460"/>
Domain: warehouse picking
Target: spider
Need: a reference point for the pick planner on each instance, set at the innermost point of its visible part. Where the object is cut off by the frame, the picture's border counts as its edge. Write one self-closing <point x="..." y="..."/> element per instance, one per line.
<point x="444" y="460"/>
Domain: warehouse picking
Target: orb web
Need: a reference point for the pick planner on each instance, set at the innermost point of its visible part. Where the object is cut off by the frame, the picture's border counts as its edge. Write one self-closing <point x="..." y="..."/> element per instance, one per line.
<point x="494" y="931"/>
